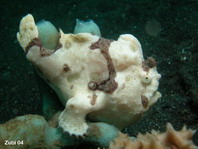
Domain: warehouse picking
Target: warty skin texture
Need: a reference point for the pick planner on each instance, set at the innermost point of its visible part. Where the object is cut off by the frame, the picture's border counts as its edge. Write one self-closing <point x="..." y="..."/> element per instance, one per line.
<point x="95" y="78"/>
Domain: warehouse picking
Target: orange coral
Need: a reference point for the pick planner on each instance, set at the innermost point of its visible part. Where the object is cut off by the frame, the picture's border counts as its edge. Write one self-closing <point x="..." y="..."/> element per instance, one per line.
<point x="171" y="139"/>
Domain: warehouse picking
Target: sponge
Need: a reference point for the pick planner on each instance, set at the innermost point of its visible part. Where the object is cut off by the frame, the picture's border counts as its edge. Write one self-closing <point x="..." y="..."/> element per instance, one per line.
<point x="87" y="27"/>
<point x="48" y="34"/>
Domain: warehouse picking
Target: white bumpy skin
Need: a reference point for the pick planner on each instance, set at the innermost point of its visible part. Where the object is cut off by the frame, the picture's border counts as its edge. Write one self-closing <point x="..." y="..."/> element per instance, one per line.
<point x="95" y="78"/>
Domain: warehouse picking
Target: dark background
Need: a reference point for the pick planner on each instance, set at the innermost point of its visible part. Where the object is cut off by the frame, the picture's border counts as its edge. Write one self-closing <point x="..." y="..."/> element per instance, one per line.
<point x="167" y="30"/>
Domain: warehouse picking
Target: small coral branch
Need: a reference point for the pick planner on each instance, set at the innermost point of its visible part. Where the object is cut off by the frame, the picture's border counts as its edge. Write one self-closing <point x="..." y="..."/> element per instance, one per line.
<point x="171" y="139"/>
<point x="33" y="131"/>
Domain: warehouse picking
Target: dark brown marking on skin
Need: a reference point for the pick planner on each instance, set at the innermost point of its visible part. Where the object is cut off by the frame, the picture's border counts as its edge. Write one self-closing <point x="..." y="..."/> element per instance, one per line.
<point x="145" y="101"/>
<point x="94" y="131"/>
<point x="108" y="85"/>
<point x="43" y="51"/>
<point x="148" y="64"/>
<point x="92" y="85"/>
<point x="66" y="68"/>
<point x="78" y="38"/>
<point x="34" y="42"/>
<point x="71" y="87"/>
<point x="93" y="100"/>
<point x="72" y="106"/>
<point x="46" y="52"/>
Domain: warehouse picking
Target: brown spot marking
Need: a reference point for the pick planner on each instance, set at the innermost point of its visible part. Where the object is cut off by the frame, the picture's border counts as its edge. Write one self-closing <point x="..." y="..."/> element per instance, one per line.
<point x="108" y="85"/>
<point x="43" y="51"/>
<point x="72" y="106"/>
<point x="34" y="42"/>
<point x="144" y="101"/>
<point x="71" y="87"/>
<point x="149" y="63"/>
<point x="92" y="85"/>
<point x="93" y="131"/>
<point x="46" y="52"/>
<point x="79" y="38"/>
<point x="93" y="100"/>
<point x="66" y="68"/>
